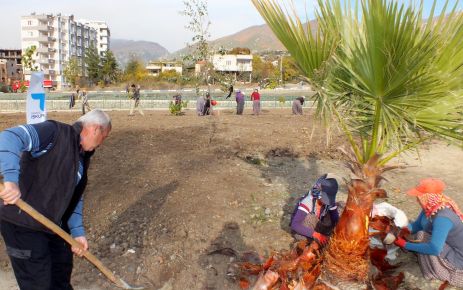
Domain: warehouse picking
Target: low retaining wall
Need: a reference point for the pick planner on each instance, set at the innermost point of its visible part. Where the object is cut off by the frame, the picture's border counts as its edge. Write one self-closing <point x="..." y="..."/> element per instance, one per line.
<point x="63" y="105"/>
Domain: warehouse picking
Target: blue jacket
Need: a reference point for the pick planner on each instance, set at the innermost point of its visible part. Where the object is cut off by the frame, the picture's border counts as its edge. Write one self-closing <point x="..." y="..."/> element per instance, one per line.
<point x="37" y="140"/>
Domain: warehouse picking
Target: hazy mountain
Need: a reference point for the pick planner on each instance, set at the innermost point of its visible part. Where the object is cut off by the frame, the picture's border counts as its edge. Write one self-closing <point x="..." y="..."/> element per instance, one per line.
<point x="123" y="49"/>
<point x="257" y="38"/>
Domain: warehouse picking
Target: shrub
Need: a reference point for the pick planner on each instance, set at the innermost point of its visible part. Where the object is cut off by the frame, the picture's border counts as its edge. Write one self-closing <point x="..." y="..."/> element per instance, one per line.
<point x="176" y="109"/>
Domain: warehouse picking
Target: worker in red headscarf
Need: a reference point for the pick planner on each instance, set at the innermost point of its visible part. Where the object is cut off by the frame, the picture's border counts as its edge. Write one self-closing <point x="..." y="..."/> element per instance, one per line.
<point x="439" y="227"/>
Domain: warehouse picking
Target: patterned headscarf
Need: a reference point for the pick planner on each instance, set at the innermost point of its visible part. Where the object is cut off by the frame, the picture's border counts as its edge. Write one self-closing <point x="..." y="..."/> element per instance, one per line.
<point x="324" y="189"/>
<point x="429" y="193"/>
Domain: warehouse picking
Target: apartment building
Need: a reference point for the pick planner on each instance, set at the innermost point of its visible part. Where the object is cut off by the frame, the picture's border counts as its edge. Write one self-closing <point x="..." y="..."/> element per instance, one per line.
<point x="103" y="35"/>
<point x="57" y="38"/>
<point x="10" y="65"/>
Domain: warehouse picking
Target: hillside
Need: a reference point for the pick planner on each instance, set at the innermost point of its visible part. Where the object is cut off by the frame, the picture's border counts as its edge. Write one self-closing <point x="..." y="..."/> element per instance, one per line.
<point x="257" y="38"/>
<point x="144" y="50"/>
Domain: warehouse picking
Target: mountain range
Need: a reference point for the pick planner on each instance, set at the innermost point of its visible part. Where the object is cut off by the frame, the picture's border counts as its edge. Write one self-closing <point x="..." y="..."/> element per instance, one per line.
<point x="257" y="38"/>
<point x="142" y="50"/>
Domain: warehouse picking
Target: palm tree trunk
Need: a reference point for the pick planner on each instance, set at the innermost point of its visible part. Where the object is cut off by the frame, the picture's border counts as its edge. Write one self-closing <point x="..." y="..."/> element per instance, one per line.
<point x="346" y="256"/>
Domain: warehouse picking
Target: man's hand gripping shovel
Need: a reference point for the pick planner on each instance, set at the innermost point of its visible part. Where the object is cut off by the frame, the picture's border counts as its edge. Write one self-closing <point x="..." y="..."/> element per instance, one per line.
<point x="57" y="230"/>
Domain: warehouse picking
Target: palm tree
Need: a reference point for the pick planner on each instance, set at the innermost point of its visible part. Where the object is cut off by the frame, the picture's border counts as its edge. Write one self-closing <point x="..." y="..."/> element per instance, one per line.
<point x="390" y="80"/>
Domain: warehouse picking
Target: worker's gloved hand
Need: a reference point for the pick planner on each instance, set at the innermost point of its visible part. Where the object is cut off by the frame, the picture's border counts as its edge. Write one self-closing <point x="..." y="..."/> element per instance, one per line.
<point x="400" y="242"/>
<point x="389" y="239"/>
<point x="322" y="239"/>
<point x="404" y="232"/>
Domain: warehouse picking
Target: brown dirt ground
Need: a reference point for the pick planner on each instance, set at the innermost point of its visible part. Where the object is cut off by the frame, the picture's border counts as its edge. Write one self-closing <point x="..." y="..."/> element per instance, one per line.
<point x="165" y="191"/>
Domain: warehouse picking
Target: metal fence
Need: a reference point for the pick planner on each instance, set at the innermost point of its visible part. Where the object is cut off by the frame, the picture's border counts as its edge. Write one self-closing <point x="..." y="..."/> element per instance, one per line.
<point x="124" y="104"/>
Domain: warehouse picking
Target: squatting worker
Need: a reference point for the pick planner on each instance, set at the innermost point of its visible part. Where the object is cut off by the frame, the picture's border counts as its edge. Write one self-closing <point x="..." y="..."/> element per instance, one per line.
<point x="46" y="165"/>
<point x="316" y="213"/>
<point x="439" y="230"/>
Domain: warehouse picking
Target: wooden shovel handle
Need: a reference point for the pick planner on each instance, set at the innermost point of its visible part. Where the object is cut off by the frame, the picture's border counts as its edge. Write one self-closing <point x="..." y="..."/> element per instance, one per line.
<point x="60" y="232"/>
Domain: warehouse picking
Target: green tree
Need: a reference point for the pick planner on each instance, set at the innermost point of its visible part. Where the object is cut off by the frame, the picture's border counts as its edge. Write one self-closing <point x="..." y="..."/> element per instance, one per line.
<point x="28" y="60"/>
<point x="240" y="50"/>
<point x="198" y="24"/>
<point x="263" y="69"/>
<point x="72" y="72"/>
<point x="109" y="67"/>
<point x="390" y="80"/>
<point x="169" y="75"/>
<point x="290" y="69"/>
<point x="93" y="64"/>
<point x="135" y="70"/>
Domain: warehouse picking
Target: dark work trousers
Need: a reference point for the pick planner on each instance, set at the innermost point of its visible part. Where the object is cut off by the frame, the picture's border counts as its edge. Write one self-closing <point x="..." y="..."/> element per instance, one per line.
<point x="40" y="261"/>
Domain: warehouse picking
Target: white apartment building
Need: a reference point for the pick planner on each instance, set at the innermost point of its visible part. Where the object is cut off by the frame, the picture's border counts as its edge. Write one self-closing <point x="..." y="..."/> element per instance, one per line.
<point x="232" y="62"/>
<point x="236" y="64"/>
<point x="103" y="35"/>
<point x="58" y="38"/>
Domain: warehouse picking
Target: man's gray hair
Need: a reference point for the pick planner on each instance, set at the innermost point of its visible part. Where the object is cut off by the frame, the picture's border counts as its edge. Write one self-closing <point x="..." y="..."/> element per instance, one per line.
<point x="96" y="117"/>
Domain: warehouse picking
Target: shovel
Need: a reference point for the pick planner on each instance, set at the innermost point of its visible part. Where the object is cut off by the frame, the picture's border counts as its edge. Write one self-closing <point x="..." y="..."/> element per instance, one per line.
<point x="60" y="232"/>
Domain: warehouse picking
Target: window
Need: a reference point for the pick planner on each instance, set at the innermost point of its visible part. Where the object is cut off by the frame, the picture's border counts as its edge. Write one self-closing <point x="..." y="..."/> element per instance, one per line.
<point x="29" y="23"/>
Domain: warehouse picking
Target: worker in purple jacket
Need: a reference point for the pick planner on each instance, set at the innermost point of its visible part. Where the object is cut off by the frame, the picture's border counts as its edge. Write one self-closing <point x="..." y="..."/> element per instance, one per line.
<point x="317" y="214"/>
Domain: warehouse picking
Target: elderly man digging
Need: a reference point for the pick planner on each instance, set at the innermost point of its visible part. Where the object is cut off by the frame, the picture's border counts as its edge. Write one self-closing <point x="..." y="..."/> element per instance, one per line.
<point x="46" y="165"/>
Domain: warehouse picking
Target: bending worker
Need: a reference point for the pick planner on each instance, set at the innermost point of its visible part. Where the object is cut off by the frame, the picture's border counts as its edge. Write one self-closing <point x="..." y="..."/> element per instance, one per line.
<point x="46" y="165"/>
<point x="317" y="213"/>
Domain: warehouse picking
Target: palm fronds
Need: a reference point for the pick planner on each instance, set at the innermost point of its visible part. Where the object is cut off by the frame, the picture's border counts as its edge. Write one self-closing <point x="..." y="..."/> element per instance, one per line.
<point x="390" y="77"/>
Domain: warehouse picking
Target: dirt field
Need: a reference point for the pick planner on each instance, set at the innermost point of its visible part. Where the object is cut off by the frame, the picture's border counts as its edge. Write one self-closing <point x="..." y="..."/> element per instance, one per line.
<point x="166" y="191"/>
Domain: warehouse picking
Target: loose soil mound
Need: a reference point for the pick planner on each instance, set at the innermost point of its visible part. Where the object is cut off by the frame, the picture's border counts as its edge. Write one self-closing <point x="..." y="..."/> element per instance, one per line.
<point x="170" y="198"/>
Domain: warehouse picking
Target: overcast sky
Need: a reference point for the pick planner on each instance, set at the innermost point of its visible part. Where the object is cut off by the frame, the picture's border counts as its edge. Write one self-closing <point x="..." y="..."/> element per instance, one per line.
<point x="153" y="20"/>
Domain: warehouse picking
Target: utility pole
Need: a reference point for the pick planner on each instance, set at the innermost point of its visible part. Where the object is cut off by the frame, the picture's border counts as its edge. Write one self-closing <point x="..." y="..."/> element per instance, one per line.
<point x="281" y="69"/>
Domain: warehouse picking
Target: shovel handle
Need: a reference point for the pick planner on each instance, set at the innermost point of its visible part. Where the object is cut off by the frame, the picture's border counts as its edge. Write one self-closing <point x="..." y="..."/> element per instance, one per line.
<point x="24" y="206"/>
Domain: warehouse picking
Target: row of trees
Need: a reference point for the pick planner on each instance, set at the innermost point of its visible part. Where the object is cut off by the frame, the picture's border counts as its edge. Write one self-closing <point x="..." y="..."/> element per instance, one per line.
<point x="101" y="70"/>
<point x="274" y="69"/>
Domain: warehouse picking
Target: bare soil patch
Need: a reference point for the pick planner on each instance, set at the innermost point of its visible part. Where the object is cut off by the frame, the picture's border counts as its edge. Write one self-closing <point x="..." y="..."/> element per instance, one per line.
<point x="165" y="192"/>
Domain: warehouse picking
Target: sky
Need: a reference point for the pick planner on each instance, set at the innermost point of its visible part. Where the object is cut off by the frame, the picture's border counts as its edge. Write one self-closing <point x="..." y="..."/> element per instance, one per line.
<point x="151" y="20"/>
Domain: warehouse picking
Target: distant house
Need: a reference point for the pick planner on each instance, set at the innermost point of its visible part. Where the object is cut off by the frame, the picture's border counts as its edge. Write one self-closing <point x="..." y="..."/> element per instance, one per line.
<point x="200" y="67"/>
<point x="232" y="63"/>
<point x="156" y="67"/>
<point x="240" y="65"/>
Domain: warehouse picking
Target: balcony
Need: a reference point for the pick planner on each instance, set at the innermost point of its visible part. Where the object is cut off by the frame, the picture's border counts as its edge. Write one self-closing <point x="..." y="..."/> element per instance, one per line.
<point x="49" y="71"/>
<point x="45" y="49"/>
<point x="42" y="39"/>
<point x="41" y="17"/>
<point x="36" y="27"/>
<point x="43" y="61"/>
<point x="42" y="49"/>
